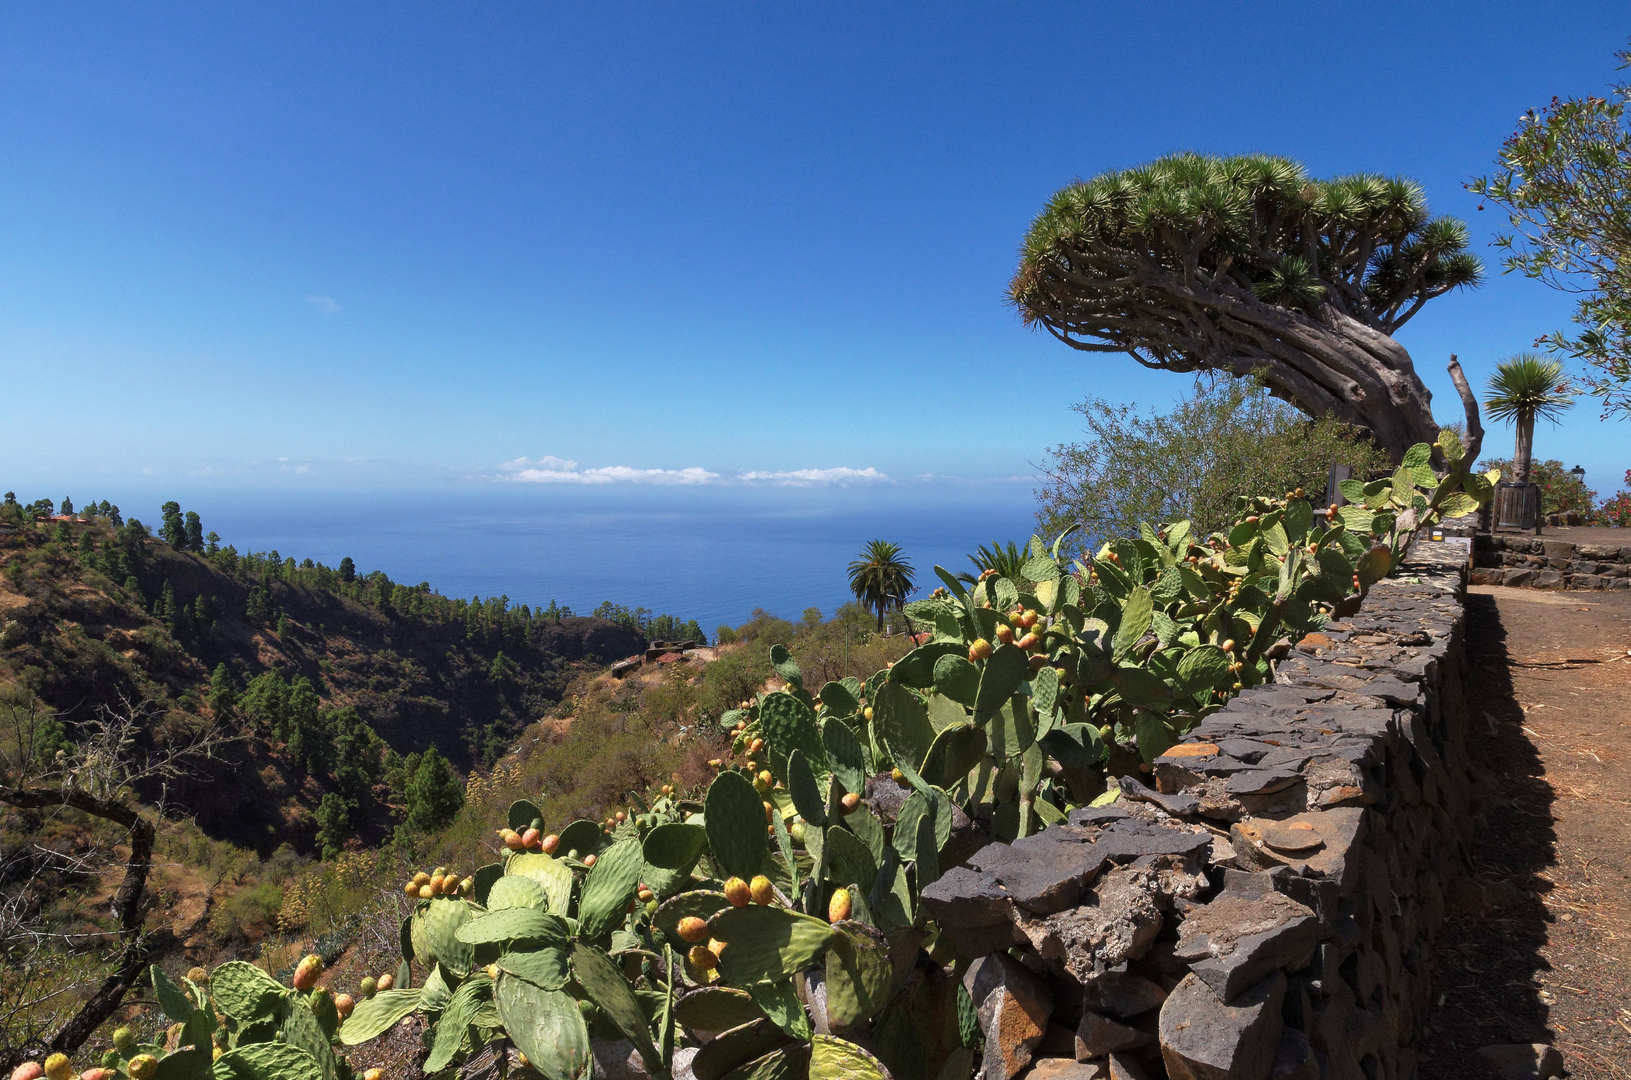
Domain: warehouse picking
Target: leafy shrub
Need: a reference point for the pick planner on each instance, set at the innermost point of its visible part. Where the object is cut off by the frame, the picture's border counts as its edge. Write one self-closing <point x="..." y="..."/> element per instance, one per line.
<point x="1616" y="509"/>
<point x="1560" y="490"/>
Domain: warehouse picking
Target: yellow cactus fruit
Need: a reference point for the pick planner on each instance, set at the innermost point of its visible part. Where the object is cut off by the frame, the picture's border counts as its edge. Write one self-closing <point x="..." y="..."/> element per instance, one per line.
<point x="838" y="908"/>
<point x="716" y="946"/>
<point x="306" y="972"/>
<point x="435" y="884"/>
<point x="761" y="890"/>
<point x="426" y="892"/>
<point x="374" y="1074"/>
<point x="980" y="650"/>
<point x="58" y="1067"/>
<point x="343" y="1004"/>
<point x="123" y="1039"/>
<point x="492" y="971"/>
<point x="143" y="1066"/>
<point x="198" y="975"/>
<point x="692" y="929"/>
<point x="646" y="895"/>
<point x="386" y="981"/>
<point x="897" y="776"/>
<point x="701" y="958"/>
<point x="737" y="892"/>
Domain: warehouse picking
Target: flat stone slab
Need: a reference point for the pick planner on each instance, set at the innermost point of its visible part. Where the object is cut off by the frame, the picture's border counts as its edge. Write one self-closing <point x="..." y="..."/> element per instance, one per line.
<point x="1235" y="941"/>
<point x="1202" y="1038"/>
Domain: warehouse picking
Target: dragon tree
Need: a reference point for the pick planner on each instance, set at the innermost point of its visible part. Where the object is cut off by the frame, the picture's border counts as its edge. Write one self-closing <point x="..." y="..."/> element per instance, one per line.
<point x="1246" y="265"/>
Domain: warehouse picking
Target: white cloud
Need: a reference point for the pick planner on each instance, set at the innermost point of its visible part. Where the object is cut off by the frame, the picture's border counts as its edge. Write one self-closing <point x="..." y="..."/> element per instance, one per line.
<point x="326" y="304"/>
<point x="812" y="477"/>
<point x="553" y="470"/>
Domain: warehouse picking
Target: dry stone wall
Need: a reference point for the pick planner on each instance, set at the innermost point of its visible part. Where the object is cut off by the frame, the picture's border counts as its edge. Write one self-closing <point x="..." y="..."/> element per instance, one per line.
<point x="1540" y="563"/>
<point x="1263" y="903"/>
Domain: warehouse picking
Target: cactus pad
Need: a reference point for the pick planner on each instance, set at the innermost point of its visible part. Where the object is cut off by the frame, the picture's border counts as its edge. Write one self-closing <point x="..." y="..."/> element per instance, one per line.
<point x="600" y="978"/>
<point x="516" y="891"/>
<point x="858" y="975"/>
<point x="845" y="756"/>
<point x="523" y="812"/>
<point x="716" y="1008"/>
<point x="735" y="1047"/>
<point x="442" y="919"/>
<point x="266" y="1061"/>
<point x="999" y="680"/>
<point x="901" y="719"/>
<point x="245" y="992"/>
<point x="513" y="924"/>
<point x="916" y="669"/>
<point x="609" y="887"/>
<point x="958" y="679"/>
<point x="767" y="942"/>
<point x="553" y="874"/>
<point x="735" y="819"/>
<point x="832" y="1058"/>
<point x="546" y="1026"/>
<point x="377" y="1015"/>
<point x="787" y="725"/>
<point x="675" y="845"/>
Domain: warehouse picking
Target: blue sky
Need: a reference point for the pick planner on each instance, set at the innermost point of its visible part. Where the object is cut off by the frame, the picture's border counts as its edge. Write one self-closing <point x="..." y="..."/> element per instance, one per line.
<point x="369" y="247"/>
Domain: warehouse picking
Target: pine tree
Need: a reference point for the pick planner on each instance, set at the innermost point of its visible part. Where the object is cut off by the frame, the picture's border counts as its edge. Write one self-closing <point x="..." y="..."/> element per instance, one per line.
<point x="223" y="692"/>
<point x="174" y="531"/>
<point x="213" y="542"/>
<point x="348" y="570"/>
<point x="434" y="793"/>
<point x="67" y="505"/>
<point x="334" y="815"/>
<point x="195" y="533"/>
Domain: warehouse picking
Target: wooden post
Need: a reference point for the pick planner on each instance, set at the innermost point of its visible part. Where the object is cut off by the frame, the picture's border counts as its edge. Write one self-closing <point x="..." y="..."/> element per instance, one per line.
<point x="1517" y="506"/>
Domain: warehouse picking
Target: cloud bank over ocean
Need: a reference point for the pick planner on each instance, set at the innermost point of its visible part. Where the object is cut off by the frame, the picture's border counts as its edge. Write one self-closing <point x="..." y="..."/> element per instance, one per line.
<point x="554" y="470"/>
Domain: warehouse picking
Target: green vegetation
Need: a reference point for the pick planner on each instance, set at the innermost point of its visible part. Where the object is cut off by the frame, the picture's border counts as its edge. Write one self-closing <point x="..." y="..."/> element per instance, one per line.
<point x="1560" y="490"/>
<point x="1249" y="266"/>
<point x="1224" y="437"/>
<point x="1564" y="178"/>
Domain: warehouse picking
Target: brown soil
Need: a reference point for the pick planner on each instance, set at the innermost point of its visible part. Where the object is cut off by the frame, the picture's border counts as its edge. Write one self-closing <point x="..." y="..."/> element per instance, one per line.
<point x="1537" y="945"/>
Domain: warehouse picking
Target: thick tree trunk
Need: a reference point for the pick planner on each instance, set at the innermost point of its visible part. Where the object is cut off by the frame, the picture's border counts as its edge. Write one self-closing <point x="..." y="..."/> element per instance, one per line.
<point x="1524" y="451"/>
<point x="1338" y="366"/>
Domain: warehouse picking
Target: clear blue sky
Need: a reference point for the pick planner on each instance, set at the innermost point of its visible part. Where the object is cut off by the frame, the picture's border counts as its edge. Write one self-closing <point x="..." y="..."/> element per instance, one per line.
<point x="353" y="247"/>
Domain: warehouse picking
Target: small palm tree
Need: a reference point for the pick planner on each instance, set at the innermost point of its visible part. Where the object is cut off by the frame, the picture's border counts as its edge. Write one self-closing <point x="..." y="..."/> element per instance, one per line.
<point x="1524" y="387"/>
<point x="881" y="578"/>
<point x="1006" y="561"/>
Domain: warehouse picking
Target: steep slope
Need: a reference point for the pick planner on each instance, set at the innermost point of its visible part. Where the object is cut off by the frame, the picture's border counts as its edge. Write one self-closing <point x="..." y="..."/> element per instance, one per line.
<point x="96" y="616"/>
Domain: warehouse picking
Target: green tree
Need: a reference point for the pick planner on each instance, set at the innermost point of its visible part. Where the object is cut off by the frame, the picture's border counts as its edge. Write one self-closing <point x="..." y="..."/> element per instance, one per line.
<point x="348" y="570"/>
<point x="434" y="793"/>
<point x="881" y="578"/>
<point x="1564" y="178"/>
<point x="1560" y="490"/>
<point x="67" y="505"/>
<point x="223" y="696"/>
<point x="1226" y="438"/>
<point x="1526" y="387"/>
<point x="194" y="531"/>
<point x="1247" y="265"/>
<point x="212" y="543"/>
<point x="173" y="529"/>
<point x="334" y="815"/>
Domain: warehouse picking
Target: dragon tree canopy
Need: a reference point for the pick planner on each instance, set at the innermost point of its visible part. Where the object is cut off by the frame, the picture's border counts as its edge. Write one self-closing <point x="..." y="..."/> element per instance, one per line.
<point x="1248" y="265"/>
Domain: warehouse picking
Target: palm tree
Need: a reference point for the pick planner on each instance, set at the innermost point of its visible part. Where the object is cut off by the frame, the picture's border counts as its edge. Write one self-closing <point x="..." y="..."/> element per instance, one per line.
<point x="880" y="578"/>
<point x="1006" y="561"/>
<point x="1524" y="387"/>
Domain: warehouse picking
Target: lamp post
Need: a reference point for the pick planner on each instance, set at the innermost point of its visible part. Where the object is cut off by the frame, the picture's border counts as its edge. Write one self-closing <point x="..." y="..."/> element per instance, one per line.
<point x="1578" y="473"/>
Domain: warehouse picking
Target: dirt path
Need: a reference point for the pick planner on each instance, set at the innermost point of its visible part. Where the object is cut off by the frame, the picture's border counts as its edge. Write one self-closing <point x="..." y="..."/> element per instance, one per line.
<point x="1537" y="946"/>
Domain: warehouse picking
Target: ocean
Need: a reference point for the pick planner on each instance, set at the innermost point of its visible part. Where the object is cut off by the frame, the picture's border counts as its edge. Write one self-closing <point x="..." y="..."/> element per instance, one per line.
<point x="706" y="554"/>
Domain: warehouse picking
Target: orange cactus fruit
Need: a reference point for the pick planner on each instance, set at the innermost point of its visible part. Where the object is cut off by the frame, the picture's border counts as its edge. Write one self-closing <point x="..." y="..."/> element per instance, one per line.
<point x="550" y="844"/>
<point x="531" y="838"/>
<point x="980" y="650"/>
<point x="343" y="1004"/>
<point x="28" y="1070"/>
<point x="385" y="982"/>
<point x="692" y="929"/>
<point x="701" y="958"/>
<point x="738" y="893"/>
<point x="1005" y="634"/>
<point x="850" y="802"/>
<point x="838" y="908"/>
<point x="306" y="972"/>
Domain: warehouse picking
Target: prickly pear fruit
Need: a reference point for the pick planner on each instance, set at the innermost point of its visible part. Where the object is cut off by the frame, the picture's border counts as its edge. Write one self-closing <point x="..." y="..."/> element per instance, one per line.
<point x="737" y="892"/>
<point x="512" y="839"/>
<point x="374" y="1074"/>
<point x="123" y="1038"/>
<point x="368" y="987"/>
<point x="110" y="1060"/>
<point x="849" y="802"/>
<point x="199" y="976"/>
<point x="589" y="859"/>
<point x="343" y="1004"/>
<point x="980" y="650"/>
<point x="386" y="981"/>
<point x="143" y="1066"/>
<point x="701" y="958"/>
<point x="692" y="929"/>
<point x="97" y="1074"/>
<point x="838" y="908"/>
<point x="467" y="886"/>
<point x="1005" y="634"/>
<point x="410" y="889"/>
<point x="58" y="1067"/>
<point x="761" y="890"/>
<point x="435" y="884"/>
<point x="531" y="839"/>
<point x="421" y="878"/>
<point x="550" y="843"/>
<point x="306" y="972"/>
<point x="28" y="1070"/>
<point x="426" y="892"/>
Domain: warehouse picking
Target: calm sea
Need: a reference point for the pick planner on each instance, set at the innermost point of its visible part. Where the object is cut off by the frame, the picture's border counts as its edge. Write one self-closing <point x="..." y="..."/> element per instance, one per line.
<point x="710" y="555"/>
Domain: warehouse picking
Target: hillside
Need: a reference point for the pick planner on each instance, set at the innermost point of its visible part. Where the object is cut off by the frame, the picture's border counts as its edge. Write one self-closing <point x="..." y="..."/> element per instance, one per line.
<point x="96" y="614"/>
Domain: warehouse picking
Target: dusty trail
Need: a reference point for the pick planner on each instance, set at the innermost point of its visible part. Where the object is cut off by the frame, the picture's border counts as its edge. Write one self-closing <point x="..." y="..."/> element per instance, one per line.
<point x="1537" y="946"/>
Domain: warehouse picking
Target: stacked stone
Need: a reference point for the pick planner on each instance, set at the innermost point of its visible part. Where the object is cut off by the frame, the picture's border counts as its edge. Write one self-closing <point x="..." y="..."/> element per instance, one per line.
<point x="1263" y="902"/>
<point x="1550" y="564"/>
